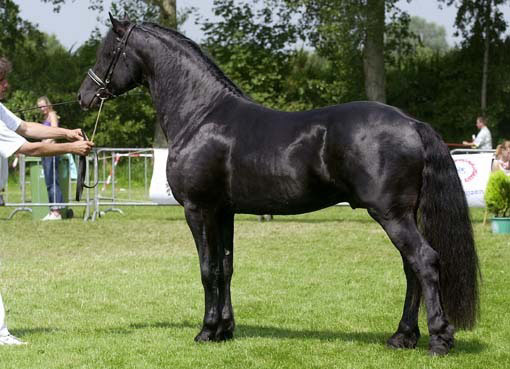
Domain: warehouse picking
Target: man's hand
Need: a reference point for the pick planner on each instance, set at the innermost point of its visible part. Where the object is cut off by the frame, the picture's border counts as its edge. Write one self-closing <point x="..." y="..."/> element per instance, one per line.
<point x="81" y="148"/>
<point x="74" y="135"/>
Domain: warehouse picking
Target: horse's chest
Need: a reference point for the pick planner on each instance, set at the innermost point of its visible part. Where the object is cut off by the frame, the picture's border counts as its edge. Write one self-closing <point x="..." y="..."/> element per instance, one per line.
<point x="193" y="173"/>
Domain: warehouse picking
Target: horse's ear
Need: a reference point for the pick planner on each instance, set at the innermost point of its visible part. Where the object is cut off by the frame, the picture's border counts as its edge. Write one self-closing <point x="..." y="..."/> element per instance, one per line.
<point x="119" y="27"/>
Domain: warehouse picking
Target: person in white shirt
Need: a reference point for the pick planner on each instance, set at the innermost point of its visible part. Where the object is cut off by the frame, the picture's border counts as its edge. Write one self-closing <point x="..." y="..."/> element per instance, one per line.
<point x="483" y="139"/>
<point x="12" y="130"/>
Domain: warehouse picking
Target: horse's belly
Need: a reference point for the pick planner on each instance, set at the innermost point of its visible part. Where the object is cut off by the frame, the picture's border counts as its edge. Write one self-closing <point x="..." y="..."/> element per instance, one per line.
<point x="287" y="197"/>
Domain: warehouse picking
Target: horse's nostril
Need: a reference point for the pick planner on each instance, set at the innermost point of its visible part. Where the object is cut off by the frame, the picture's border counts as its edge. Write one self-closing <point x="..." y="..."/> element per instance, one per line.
<point x="79" y="97"/>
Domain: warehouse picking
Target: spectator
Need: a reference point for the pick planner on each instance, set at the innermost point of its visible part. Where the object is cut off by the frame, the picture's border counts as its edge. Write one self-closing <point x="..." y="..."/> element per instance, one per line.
<point x="12" y="129"/>
<point x="50" y="163"/>
<point x="483" y="139"/>
<point x="502" y="158"/>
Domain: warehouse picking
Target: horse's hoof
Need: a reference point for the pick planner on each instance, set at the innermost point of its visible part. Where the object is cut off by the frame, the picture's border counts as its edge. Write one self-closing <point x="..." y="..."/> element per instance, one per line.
<point x="441" y="344"/>
<point x="205" y="335"/>
<point x="225" y="330"/>
<point x="403" y="341"/>
<point x="224" y="335"/>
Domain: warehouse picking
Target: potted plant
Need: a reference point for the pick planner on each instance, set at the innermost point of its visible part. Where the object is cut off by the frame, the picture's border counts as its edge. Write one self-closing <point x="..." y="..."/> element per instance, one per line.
<point x="497" y="199"/>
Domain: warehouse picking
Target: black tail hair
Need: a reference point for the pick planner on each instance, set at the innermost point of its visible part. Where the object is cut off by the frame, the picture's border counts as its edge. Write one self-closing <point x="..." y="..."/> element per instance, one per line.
<point x="446" y="225"/>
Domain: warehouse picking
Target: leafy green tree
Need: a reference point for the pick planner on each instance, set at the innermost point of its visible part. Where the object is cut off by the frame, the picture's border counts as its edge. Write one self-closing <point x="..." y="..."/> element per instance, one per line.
<point x="480" y="22"/>
<point x="252" y="45"/>
<point x="255" y="43"/>
<point x="350" y="31"/>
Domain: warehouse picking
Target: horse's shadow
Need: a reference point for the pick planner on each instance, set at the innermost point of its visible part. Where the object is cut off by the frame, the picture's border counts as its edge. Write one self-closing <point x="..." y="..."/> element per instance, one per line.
<point x="472" y="346"/>
<point x="243" y="331"/>
<point x="257" y="331"/>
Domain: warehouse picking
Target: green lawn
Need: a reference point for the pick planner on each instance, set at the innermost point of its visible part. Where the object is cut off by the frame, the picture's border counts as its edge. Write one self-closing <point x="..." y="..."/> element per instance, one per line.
<point x="321" y="290"/>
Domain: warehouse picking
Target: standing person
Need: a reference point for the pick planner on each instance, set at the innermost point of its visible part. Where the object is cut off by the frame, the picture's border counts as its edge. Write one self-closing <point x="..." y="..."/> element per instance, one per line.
<point x="483" y="139"/>
<point x="50" y="163"/>
<point x="12" y="129"/>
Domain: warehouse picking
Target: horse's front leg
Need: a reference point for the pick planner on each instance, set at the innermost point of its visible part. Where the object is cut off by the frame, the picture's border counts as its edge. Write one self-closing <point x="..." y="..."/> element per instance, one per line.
<point x="227" y="324"/>
<point x="207" y="233"/>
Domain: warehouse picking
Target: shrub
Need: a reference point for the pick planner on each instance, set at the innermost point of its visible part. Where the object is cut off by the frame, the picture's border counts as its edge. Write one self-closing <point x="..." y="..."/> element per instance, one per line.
<point x="497" y="194"/>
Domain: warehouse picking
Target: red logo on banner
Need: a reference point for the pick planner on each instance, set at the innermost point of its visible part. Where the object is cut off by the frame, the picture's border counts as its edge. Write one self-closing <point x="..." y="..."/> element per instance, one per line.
<point x="466" y="169"/>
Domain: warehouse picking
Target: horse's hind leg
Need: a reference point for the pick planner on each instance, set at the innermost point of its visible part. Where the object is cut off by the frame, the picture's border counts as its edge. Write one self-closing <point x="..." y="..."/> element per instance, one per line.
<point x="207" y="228"/>
<point x="408" y="333"/>
<point x="424" y="262"/>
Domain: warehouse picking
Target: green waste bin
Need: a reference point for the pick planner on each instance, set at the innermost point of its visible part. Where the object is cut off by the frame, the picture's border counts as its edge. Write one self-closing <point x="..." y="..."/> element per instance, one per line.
<point x="38" y="185"/>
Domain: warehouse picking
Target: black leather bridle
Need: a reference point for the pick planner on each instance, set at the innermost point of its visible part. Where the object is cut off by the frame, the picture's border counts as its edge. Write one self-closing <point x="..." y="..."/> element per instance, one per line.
<point x="104" y="91"/>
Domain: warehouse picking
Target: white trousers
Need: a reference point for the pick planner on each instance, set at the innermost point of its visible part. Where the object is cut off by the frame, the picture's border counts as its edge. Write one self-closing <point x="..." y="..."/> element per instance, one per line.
<point x="4" y="172"/>
<point x="3" y="327"/>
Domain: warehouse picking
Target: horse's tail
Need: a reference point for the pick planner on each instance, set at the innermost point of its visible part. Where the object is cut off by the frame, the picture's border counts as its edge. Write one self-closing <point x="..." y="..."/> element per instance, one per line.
<point x="445" y="223"/>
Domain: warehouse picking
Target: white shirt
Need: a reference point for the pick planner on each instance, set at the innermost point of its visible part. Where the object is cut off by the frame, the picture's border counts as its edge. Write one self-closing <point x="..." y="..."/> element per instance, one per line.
<point x="483" y="139"/>
<point x="10" y="141"/>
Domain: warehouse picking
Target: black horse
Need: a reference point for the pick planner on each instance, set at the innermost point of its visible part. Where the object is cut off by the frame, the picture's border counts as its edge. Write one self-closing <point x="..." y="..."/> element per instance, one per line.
<point x="229" y="155"/>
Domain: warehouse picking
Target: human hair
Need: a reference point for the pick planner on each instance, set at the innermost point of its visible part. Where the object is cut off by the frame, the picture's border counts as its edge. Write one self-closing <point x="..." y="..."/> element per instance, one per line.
<point x="46" y="101"/>
<point x="482" y="119"/>
<point x="5" y="67"/>
<point x="499" y="151"/>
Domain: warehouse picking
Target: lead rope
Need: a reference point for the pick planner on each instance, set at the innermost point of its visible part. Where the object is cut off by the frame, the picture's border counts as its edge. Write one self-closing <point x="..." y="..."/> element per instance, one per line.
<point x="91" y="140"/>
<point x="97" y="118"/>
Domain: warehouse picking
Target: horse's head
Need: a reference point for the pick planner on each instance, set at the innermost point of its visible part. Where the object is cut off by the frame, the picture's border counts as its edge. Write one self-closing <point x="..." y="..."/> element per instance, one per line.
<point x="117" y="67"/>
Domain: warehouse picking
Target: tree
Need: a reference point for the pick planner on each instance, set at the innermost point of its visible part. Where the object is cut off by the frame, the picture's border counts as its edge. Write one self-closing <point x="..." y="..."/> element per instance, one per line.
<point x="350" y="30"/>
<point x="373" y="50"/>
<point x="481" y="22"/>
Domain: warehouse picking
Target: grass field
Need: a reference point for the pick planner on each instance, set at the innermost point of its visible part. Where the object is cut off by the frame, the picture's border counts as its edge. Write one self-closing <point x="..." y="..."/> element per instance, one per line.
<point x="321" y="290"/>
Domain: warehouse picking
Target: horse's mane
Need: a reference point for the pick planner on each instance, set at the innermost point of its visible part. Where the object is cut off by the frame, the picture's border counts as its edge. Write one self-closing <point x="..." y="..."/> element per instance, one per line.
<point x="167" y="35"/>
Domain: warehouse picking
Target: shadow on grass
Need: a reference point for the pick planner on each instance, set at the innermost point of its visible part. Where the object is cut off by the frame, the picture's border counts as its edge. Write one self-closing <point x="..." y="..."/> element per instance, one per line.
<point x="254" y="331"/>
<point x="305" y="220"/>
<point x="29" y="331"/>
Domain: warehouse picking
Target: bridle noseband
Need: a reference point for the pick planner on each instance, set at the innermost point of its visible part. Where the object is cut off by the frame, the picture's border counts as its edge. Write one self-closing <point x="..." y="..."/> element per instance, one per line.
<point x="104" y="91"/>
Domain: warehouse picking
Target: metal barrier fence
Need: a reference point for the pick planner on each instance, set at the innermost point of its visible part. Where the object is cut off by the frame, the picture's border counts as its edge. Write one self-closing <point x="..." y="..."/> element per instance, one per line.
<point x="24" y="205"/>
<point x="106" y="161"/>
<point x="111" y="189"/>
<point x="471" y="151"/>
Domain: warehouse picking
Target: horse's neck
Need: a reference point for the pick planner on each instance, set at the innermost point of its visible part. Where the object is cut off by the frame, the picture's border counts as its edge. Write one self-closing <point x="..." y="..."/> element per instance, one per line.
<point x="184" y="92"/>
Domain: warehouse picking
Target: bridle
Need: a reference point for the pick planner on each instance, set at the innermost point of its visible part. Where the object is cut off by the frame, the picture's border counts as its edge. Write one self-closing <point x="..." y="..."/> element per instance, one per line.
<point x="104" y="91"/>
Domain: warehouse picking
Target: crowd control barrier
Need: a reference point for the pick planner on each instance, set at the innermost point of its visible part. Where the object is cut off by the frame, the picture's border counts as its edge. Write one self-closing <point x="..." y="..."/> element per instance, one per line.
<point x="32" y="195"/>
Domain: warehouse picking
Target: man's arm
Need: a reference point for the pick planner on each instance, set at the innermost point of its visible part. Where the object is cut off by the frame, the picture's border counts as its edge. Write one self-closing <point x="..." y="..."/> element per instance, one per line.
<point x="50" y="149"/>
<point x="40" y="132"/>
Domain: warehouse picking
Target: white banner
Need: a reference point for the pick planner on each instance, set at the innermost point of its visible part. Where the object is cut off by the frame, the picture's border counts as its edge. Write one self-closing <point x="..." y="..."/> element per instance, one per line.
<point x="474" y="171"/>
<point x="159" y="191"/>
